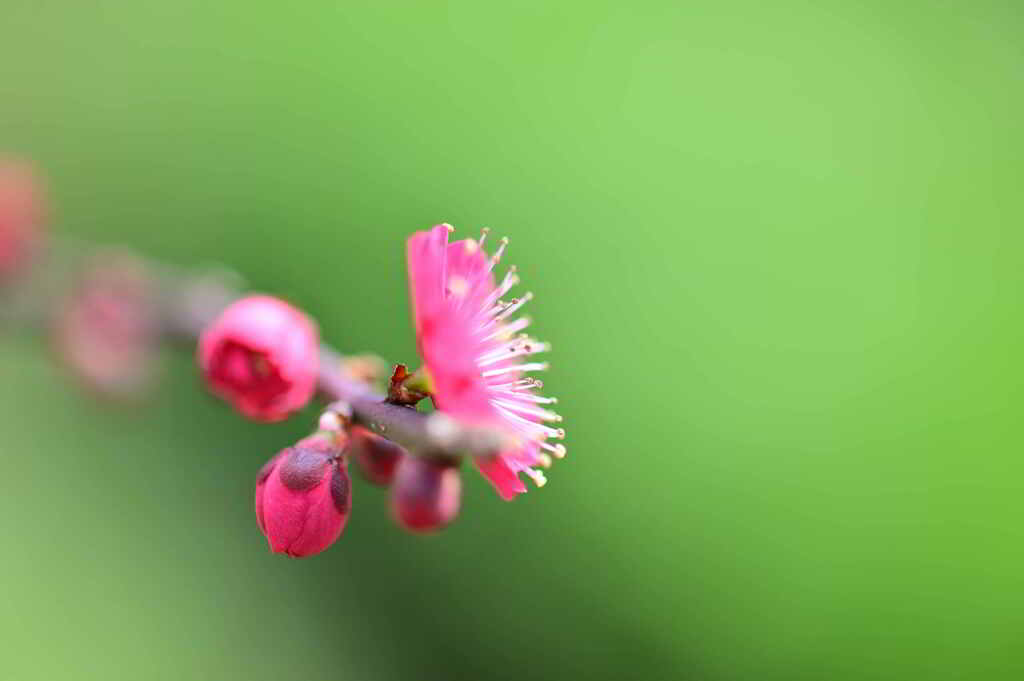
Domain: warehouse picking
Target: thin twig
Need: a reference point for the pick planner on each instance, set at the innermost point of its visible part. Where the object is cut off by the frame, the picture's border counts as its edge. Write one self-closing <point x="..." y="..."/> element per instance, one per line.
<point x="189" y="301"/>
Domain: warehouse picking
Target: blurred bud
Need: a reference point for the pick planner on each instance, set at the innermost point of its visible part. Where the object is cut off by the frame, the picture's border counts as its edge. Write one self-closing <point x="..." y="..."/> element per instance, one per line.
<point x="377" y="457"/>
<point x="21" y="215"/>
<point x="303" y="499"/>
<point x="106" y="330"/>
<point x="426" y="493"/>
<point x="261" y="355"/>
<point x="369" y="369"/>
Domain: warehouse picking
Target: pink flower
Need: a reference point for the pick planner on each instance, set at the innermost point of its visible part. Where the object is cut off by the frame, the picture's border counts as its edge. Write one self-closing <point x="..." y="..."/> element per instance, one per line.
<point x="426" y="494"/>
<point x="21" y="215"/>
<point x="303" y="498"/>
<point x="471" y="343"/>
<point x="106" y="330"/>
<point x="377" y="457"/>
<point x="262" y="355"/>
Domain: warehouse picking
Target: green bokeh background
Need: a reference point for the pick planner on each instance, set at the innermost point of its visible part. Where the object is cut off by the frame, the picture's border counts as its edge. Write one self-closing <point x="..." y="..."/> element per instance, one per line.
<point x="777" y="248"/>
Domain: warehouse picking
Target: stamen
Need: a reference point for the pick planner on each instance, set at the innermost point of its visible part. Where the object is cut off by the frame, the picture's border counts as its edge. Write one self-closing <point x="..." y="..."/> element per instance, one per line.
<point x="515" y="305"/>
<point x="530" y="366"/>
<point x="505" y="330"/>
<point x="483" y="236"/>
<point x="522" y="384"/>
<point x="510" y="280"/>
<point x="536" y="429"/>
<point x="513" y="351"/>
<point x="544" y="460"/>
<point x="557" y="450"/>
<point x="496" y="258"/>
<point x="497" y="307"/>
<point x="537" y="477"/>
<point x="543" y="414"/>
<point x="503" y="351"/>
<point x="525" y="397"/>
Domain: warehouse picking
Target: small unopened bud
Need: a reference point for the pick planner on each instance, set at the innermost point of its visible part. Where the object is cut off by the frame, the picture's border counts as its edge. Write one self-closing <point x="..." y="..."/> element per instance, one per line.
<point x="21" y="216"/>
<point x="366" y="368"/>
<point x="377" y="457"/>
<point x="262" y="355"/>
<point x="303" y="499"/>
<point x="426" y="493"/>
<point x="105" y="332"/>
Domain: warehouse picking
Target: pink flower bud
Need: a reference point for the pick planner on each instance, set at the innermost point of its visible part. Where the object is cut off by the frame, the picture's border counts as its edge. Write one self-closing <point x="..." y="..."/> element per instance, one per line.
<point x="262" y="355"/>
<point x="105" y="332"/>
<point x="426" y="494"/>
<point x="377" y="457"/>
<point x="303" y="499"/>
<point x="21" y="215"/>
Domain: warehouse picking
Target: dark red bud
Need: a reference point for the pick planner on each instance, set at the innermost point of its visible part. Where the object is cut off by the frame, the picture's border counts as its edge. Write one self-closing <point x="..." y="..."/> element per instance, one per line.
<point x="376" y="456"/>
<point x="426" y="493"/>
<point x="341" y="488"/>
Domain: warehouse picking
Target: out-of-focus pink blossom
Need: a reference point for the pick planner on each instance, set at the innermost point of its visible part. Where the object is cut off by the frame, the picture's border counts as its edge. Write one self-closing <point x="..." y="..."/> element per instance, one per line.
<point x="303" y="498"/>
<point x="426" y="493"/>
<point x="261" y="355"/>
<point x="476" y="356"/>
<point x="21" y="215"/>
<point x="106" y="330"/>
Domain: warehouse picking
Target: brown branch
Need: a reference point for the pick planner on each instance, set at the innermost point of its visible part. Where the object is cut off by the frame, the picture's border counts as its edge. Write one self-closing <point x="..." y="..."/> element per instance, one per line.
<point x="188" y="300"/>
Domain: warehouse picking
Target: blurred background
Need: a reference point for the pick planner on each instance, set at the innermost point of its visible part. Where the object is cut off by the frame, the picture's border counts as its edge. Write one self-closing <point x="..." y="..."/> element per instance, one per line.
<point x="777" y="248"/>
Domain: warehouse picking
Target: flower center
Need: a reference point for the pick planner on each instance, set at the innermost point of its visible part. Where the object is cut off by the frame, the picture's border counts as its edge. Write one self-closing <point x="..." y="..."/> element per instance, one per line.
<point x="247" y="373"/>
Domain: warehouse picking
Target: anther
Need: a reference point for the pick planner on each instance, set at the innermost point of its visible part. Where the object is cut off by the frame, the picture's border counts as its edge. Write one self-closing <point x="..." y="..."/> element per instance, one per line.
<point x="501" y="249"/>
<point x="557" y="450"/>
<point x="537" y="477"/>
